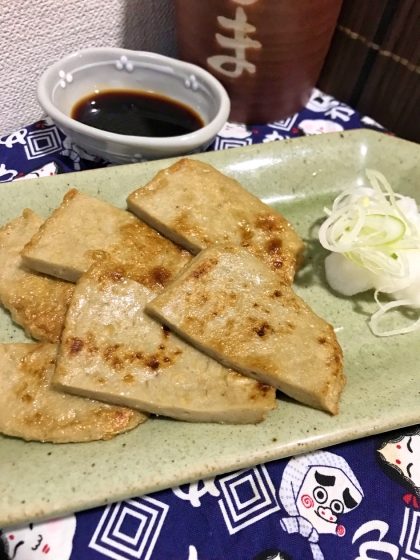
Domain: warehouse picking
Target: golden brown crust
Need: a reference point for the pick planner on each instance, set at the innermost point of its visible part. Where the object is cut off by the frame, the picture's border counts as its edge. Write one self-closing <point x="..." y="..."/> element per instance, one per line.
<point x="112" y="350"/>
<point x="233" y="307"/>
<point x="197" y="206"/>
<point x="37" y="302"/>
<point x="38" y="235"/>
<point x="32" y="410"/>
<point x="66" y="244"/>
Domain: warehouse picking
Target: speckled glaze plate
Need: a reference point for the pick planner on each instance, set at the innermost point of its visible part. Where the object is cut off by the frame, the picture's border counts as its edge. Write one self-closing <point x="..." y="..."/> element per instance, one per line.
<point x="298" y="177"/>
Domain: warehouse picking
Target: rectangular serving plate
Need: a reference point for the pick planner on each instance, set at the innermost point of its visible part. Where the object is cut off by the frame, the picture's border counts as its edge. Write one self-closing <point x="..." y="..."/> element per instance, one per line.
<point x="297" y="177"/>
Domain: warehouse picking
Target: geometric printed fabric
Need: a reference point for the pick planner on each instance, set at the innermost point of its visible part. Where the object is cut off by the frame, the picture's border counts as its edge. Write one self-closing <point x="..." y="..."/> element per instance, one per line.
<point x="129" y="529"/>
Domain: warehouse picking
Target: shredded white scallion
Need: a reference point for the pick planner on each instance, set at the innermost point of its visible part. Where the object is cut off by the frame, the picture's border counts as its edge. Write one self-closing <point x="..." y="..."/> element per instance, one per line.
<point x="378" y="231"/>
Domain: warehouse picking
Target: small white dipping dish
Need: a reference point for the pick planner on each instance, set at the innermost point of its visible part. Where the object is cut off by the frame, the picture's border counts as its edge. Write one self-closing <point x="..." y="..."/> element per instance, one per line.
<point x="88" y="71"/>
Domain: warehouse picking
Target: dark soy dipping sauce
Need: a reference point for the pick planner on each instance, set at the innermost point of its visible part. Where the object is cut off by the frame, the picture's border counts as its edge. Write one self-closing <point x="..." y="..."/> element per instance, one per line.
<point x="136" y="113"/>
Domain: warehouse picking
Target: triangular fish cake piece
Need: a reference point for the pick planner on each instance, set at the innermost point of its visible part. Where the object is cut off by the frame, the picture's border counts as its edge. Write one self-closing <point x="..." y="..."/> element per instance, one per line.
<point x="196" y="206"/>
<point x="31" y="409"/>
<point x="113" y="351"/>
<point x="37" y="302"/>
<point x="66" y="243"/>
<point x="233" y="307"/>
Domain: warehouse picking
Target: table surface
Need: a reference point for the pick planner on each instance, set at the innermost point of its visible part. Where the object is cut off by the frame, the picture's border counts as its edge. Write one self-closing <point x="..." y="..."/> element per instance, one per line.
<point x="349" y="502"/>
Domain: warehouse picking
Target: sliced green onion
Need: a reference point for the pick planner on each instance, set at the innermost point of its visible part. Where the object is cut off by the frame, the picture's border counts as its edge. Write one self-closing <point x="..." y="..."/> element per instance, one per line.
<point x="380" y="229"/>
<point x="368" y="228"/>
<point x="374" y="320"/>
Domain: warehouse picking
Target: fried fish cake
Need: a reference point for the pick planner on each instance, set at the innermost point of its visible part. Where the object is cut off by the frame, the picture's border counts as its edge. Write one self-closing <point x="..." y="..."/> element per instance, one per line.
<point x="113" y="351"/>
<point x="233" y="307"/>
<point x="197" y="206"/>
<point x="37" y="302"/>
<point x="31" y="409"/>
<point x="66" y="243"/>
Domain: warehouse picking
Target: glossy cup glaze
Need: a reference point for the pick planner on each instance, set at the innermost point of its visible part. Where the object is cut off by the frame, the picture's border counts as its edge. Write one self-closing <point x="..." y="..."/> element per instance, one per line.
<point x="267" y="53"/>
<point x="101" y="69"/>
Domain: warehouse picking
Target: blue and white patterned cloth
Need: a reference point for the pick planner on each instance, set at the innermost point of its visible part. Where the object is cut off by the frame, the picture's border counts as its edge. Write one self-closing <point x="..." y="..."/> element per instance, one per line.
<point x="356" y="501"/>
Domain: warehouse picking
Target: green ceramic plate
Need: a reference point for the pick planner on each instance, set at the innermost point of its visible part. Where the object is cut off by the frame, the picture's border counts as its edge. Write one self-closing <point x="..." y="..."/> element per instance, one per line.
<point x="298" y="177"/>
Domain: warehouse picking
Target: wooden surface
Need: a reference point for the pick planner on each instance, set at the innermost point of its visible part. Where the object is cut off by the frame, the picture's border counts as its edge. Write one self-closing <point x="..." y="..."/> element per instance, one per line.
<point x="374" y="62"/>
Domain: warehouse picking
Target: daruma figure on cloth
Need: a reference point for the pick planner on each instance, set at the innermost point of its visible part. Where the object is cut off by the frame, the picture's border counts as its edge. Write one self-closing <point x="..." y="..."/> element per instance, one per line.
<point x="268" y="54"/>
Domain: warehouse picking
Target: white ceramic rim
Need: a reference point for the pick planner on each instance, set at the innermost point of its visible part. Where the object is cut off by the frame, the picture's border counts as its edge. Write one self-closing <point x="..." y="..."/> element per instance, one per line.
<point x="192" y="139"/>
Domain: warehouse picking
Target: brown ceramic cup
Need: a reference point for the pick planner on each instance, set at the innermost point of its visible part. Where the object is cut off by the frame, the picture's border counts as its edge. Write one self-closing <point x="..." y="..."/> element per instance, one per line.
<point x="267" y="53"/>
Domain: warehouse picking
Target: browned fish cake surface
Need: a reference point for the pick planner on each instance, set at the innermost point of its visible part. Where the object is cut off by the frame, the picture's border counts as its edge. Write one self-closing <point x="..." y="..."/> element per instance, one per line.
<point x="37" y="302"/>
<point x="113" y="351"/>
<point x="32" y="410"/>
<point x="67" y="243"/>
<point x="197" y="206"/>
<point x="233" y="307"/>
